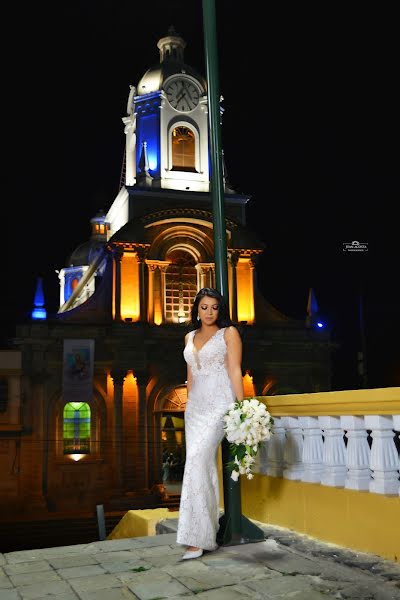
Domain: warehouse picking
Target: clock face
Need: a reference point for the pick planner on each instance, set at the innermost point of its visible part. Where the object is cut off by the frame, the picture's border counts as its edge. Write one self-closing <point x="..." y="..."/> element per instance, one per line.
<point x="182" y="94"/>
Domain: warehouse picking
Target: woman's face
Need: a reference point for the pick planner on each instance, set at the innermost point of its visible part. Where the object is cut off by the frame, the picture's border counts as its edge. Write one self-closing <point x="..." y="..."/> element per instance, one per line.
<point x="208" y="310"/>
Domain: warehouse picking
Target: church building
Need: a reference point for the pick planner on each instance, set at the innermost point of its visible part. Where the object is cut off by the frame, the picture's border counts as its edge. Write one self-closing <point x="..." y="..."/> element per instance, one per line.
<point x="96" y="402"/>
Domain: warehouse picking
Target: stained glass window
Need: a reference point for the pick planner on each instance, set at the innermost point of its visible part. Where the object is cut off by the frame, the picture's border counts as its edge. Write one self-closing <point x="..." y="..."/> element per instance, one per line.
<point x="76" y="428"/>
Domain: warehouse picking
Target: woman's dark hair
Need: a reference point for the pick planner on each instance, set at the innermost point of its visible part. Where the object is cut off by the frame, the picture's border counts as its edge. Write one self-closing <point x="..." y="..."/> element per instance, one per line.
<point x="223" y="319"/>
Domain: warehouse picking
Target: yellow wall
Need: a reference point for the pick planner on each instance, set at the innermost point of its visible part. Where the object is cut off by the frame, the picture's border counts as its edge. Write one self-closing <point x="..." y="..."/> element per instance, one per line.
<point x="360" y="521"/>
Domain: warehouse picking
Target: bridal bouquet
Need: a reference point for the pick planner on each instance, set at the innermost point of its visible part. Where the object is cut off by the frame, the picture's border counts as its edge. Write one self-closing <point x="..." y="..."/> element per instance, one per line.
<point x="247" y="424"/>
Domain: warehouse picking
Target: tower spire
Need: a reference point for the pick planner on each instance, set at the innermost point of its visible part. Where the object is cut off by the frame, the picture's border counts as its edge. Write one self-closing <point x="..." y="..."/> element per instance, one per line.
<point x="144" y="177"/>
<point x="39" y="312"/>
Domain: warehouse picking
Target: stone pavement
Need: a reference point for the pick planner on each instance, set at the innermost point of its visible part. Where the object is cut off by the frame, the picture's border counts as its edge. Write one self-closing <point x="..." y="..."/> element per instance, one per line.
<point x="285" y="565"/>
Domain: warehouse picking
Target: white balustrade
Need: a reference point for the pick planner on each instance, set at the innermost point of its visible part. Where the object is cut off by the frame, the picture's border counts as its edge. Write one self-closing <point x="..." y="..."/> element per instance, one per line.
<point x="334" y="451"/>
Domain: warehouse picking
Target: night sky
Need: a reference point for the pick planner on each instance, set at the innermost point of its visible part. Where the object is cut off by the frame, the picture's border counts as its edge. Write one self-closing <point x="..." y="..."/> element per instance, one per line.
<point x="310" y="131"/>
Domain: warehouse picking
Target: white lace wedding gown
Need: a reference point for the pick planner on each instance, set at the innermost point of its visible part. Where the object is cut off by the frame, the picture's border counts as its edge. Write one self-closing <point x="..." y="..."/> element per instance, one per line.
<point x="209" y="398"/>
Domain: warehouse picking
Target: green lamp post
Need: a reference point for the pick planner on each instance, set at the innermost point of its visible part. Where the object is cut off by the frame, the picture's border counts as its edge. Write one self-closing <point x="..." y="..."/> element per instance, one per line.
<point x="234" y="527"/>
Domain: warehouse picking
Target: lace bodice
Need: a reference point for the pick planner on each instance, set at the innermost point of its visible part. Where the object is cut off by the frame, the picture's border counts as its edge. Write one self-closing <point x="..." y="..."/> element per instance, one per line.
<point x="211" y="358"/>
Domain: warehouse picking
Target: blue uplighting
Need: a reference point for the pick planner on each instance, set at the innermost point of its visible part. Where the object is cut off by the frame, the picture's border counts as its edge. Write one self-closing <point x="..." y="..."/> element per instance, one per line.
<point x="148" y="130"/>
<point x="319" y="324"/>
<point x="39" y="313"/>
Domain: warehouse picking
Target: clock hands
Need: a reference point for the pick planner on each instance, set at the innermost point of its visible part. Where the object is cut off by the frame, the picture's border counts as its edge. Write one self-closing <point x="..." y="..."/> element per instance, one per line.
<point x="182" y="95"/>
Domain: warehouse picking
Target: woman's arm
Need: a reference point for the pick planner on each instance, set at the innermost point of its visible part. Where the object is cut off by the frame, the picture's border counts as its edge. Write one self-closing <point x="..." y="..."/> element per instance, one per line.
<point x="189" y="372"/>
<point x="189" y="380"/>
<point x="234" y="366"/>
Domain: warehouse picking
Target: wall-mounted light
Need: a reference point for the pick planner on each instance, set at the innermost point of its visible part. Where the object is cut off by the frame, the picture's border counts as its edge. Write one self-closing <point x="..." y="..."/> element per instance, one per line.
<point x="76" y="457"/>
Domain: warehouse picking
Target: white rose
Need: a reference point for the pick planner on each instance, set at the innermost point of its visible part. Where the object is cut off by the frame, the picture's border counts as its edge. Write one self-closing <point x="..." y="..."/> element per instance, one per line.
<point x="235" y="475"/>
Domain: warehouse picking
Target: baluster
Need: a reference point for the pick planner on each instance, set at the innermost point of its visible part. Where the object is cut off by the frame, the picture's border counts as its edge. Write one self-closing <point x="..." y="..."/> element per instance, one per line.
<point x="260" y="465"/>
<point x="293" y="452"/>
<point x="357" y="453"/>
<point x="384" y="457"/>
<point x="334" y="454"/>
<point x="396" y="427"/>
<point x="276" y="448"/>
<point x="312" y="449"/>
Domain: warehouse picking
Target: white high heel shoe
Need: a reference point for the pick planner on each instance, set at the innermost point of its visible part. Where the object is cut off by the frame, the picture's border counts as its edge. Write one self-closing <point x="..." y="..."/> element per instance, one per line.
<point x="192" y="554"/>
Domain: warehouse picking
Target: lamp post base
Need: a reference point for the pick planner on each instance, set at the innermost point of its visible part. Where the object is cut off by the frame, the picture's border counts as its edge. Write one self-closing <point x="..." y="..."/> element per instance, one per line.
<point x="229" y="535"/>
<point x="234" y="528"/>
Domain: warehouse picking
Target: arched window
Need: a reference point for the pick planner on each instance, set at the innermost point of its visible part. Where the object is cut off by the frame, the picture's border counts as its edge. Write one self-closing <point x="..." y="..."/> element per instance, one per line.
<point x="76" y="428"/>
<point x="183" y="149"/>
<point x="180" y="286"/>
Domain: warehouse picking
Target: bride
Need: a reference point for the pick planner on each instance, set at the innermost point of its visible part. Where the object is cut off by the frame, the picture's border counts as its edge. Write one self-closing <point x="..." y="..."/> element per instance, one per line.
<point x="213" y="353"/>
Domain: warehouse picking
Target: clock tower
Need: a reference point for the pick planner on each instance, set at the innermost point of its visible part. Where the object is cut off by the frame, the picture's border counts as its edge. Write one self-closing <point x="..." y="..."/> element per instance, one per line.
<point x="167" y="126"/>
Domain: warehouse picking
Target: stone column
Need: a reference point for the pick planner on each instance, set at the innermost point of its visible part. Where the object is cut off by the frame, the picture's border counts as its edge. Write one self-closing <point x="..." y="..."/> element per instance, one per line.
<point x="118" y="442"/>
<point x="151" y="267"/>
<point x="234" y="259"/>
<point x="38" y="479"/>
<point x="142" y="437"/>
<point x="252" y="263"/>
<point x="211" y="276"/>
<point x="141" y="253"/>
<point x="200" y="276"/>
<point x="163" y="272"/>
<point x="117" y="290"/>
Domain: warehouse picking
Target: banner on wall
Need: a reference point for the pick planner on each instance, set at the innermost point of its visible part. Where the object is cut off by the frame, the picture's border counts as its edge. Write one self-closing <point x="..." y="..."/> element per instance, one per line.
<point x="78" y="363"/>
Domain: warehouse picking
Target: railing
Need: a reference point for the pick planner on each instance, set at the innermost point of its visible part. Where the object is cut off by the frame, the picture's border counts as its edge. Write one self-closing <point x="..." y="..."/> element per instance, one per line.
<point x="347" y="439"/>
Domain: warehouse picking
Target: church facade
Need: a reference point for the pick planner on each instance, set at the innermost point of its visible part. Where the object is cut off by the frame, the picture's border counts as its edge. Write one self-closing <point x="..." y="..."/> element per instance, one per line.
<point x="94" y="411"/>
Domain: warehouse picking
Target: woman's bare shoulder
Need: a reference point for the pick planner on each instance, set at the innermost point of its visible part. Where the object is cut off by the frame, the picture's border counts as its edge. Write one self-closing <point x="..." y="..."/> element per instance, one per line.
<point x="231" y="333"/>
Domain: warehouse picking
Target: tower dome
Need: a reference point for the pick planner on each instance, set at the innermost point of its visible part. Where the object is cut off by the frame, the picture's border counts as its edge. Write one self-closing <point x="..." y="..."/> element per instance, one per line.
<point x="171" y="49"/>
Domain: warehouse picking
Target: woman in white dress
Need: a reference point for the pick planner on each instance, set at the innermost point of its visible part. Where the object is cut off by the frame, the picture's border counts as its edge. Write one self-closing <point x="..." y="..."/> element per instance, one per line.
<point x="213" y="353"/>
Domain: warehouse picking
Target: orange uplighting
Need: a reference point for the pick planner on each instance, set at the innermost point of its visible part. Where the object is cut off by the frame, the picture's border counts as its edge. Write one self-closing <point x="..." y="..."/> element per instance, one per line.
<point x="248" y="386"/>
<point x="130" y="302"/>
<point x="245" y="295"/>
<point x="130" y="387"/>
